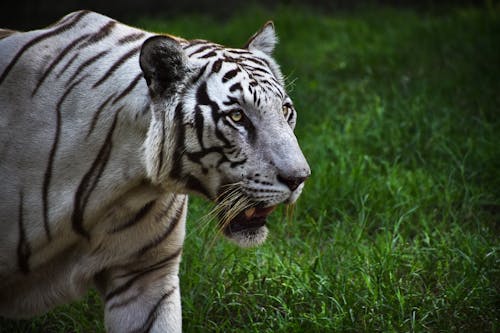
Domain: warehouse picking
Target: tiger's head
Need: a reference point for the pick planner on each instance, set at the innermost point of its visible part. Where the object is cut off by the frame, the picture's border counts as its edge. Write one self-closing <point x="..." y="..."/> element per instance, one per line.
<point x="222" y="127"/>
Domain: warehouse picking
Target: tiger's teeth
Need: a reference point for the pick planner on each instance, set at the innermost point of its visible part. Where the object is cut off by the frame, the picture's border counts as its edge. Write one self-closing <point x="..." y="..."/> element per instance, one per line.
<point x="249" y="212"/>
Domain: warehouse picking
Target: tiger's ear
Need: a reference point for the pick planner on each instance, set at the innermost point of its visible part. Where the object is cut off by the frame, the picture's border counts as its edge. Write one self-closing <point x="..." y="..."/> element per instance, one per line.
<point x="163" y="63"/>
<point x="263" y="40"/>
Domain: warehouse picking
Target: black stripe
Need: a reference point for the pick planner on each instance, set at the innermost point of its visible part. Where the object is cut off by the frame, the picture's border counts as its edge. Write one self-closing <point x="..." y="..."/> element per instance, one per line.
<point x="266" y="62"/>
<point x="201" y="49"/>
<point x="176" y="171"/>
<point x="124" y="302"/>
<point x="199" y="125"/>
<point x="153" y="314"/>
<point x="136" y="218"/>
<point x="257" y="61"/>
<point x="87" y="63"/>
<point x="38" y="39"/>
<point x="194" y="184"/>
<point x="198" y="155"/>
<point x="23" y="247"/>
<point x="217" y="66"/>
<point x="254" y="69"/>
<point x="138" y="274"/>
<point x="56" y="61"/>
<point x="90" y="180"/>
<point x="70" y="61"/>
<point x="231" y="101"/>
<point x="236" y="86"/>
<point x="97" y="114"/>
<point x="130" y="38"/>
<point x="173" y="223"/>
<point x="209" y="55"/>
<point x="236" y="60"/>
<point x="154" y="267"/>
<point x="229" y="75"/>
<point x="117" y="64"/>
<point x="159" y="216"/>
<point x="50" y="164"/>
<point x="237" y="163"/>
<point x="202" y="98"/>
<point x="100" y="35"/>
<point x="238" y="51"/>
<point x="123" y="288"/>
<point x="129" y="88"/>
<point x="200" y="73"/>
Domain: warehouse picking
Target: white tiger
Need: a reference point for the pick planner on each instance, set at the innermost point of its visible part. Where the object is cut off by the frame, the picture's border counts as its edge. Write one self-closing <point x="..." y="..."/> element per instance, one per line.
<point x="104" y="129"/>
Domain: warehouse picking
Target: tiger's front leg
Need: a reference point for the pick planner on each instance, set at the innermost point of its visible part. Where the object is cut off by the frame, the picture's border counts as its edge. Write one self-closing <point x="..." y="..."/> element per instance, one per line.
<point x="145" y="299"/>
<point x="141" y="293"/>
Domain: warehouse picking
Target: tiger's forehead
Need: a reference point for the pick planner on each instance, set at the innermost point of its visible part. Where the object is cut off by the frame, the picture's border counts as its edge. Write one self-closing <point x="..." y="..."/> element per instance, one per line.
<point x="250" y="70"/>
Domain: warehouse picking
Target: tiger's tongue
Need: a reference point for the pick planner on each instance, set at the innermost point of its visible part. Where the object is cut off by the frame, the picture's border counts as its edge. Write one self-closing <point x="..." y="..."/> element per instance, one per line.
<point x="254" y="212"/>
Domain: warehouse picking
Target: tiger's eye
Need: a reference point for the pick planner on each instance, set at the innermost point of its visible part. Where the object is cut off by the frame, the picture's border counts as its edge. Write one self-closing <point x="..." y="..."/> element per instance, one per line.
<point x="236" y="116"/>
<point x="286" y="110"/>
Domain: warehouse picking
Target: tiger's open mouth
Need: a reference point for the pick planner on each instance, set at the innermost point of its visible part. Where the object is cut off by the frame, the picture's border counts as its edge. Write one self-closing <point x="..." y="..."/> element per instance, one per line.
<point x="249" y="219"/>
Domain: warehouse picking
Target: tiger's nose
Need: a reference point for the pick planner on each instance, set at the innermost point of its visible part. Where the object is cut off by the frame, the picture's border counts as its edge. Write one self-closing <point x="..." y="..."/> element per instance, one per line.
<point x="294" y="181"/>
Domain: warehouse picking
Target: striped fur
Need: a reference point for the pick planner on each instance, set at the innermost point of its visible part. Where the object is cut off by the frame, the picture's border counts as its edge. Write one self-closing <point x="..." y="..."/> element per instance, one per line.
<point x="104" y="130"/>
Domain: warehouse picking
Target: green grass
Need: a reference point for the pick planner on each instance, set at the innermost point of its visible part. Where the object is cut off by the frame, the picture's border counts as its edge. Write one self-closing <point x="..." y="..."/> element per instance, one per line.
<point x="397" y="229"/>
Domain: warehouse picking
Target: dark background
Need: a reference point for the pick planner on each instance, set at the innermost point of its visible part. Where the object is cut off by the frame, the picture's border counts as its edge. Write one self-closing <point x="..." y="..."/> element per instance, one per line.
<point x="31" y="14"/>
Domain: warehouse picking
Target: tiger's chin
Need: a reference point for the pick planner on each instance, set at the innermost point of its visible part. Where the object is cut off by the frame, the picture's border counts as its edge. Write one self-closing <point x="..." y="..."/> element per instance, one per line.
<point x="248" y="228"/>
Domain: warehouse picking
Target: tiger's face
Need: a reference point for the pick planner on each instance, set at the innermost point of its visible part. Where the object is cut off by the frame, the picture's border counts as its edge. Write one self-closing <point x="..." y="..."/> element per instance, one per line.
<point x="234" y="140"/>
